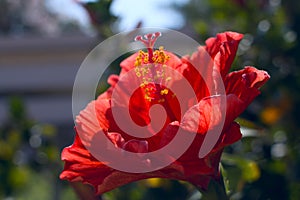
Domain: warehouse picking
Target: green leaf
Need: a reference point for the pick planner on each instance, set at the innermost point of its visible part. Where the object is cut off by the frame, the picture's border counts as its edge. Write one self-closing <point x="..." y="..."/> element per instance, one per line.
<point x="249" y="168"/>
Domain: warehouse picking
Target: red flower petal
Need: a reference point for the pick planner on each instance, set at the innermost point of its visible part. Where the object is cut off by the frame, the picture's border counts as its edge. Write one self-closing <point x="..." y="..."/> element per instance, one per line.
<point x="202" y="114"/>
<point x="207" y="114"/>
<point x="216" y="57"/>
<point x="137" y="146"/>
<point x="230" y="136"/>
<point x="200" y="61"/>
<point x="245" y="83"/>
<point x="116" y="139"/>
<point x="209" y="165"/>
<point x="80" y="165"/>
<point x="223" y="49"/>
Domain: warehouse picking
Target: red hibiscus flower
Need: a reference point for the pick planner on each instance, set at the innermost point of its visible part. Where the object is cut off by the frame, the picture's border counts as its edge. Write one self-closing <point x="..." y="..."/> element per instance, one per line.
<point x="194" y="116"/>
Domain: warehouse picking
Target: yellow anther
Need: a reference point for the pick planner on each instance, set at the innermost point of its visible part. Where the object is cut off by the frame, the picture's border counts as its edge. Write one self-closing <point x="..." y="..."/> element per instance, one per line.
<point x="151" y="68"/>
<point x="138" y="74"/>
<point x="146" y="59"/>
<point x="142" y="58"/>
<point x="148" y="98"/>
<point x="164" y="91"/>
<point x="144" y="80"/>
<point x="144" y="71"/>
<point x="137" y="63"/>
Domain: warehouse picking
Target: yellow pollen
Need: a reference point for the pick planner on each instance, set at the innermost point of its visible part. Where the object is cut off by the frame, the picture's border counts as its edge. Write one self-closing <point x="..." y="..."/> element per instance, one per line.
<point x="142" y="58"/>
<point x="147" y="98"/>
<point x="164" y="91"/>
<point x="151" y="68"/>
<point x="160" y="57"/>
<point x="138" y="74"/>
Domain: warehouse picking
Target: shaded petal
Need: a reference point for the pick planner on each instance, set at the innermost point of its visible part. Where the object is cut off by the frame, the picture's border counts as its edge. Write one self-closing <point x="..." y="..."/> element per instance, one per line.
<point x="230" y="136"/>
<point x="200" y="171"/>
<point x="117" y="178"/>
<point x="137" y="146"/>
<point x="80" y="165"/>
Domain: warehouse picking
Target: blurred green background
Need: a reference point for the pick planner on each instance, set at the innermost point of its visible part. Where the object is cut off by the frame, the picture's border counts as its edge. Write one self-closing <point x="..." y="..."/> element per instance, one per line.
<point x="265" y="164"/>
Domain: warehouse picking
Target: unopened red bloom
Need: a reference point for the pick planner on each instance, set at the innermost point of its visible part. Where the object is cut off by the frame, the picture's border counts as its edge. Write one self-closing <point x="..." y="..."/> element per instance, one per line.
<point x="199" y="116"/>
